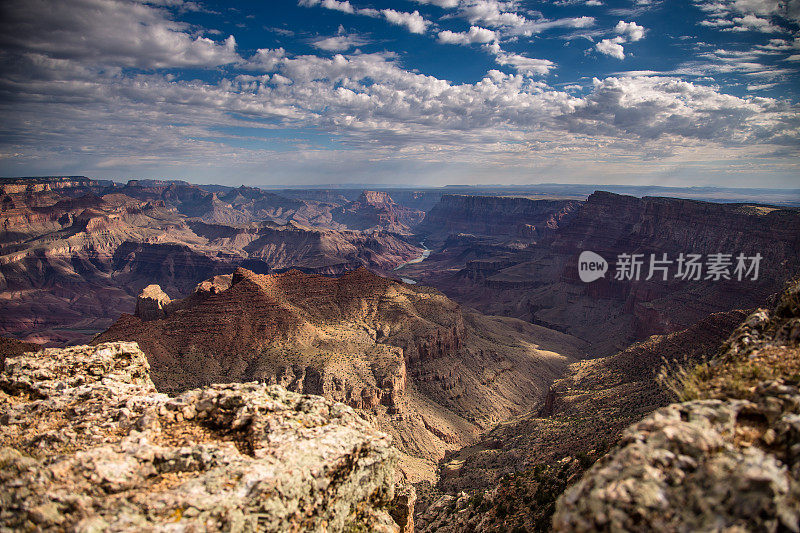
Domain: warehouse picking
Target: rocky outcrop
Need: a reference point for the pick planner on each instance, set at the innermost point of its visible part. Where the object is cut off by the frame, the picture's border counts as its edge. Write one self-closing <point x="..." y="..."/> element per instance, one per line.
<point x="376" y="209"/>
<point x="151" y="302"/>
<point x="432" y="373"/>
<point x="496" y="216"/>
<point x="88" y="444"/>
<point x="698" y="466"/>
<point x="726" y="460"/>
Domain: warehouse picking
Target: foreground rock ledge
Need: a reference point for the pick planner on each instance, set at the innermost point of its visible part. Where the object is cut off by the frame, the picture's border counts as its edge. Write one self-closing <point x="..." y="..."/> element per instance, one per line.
<point x="727" y="460"/>
<point x="88" y="444"/>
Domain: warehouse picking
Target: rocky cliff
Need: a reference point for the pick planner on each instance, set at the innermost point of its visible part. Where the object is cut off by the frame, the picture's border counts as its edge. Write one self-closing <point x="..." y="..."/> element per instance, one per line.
<point x="88" y="444"/>
<point x="726" y="459"/>
<point x="376" y="209"/>
<point x="434" y="374"/>
<point x="540" y="283"/>
<point x="493" y="215"/>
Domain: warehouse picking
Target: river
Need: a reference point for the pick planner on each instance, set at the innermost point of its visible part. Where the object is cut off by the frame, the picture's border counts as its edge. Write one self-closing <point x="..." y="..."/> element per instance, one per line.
<point x="425" y="253"/>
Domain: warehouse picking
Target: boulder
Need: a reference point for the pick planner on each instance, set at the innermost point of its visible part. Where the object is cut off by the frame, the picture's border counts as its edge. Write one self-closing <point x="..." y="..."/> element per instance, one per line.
<point x="87" y="443"/>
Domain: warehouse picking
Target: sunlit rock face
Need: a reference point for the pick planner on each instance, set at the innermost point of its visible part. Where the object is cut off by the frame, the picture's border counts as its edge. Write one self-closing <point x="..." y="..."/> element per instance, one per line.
<point x="88" y="444"/>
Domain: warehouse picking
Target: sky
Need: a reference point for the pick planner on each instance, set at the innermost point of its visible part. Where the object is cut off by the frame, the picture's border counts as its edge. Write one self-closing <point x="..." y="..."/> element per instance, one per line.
<point x="403" y="92"/>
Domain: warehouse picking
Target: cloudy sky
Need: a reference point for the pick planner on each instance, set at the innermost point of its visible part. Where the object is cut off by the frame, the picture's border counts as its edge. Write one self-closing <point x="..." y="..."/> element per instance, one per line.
<point x="403" y="92"/>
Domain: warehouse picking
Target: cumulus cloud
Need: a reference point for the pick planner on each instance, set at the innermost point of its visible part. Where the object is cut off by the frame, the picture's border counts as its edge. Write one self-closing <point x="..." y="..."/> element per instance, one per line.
<point x="505" y="17"/>
<point x="632" y="30"/>
<point x="117" y="118"/>
<point x="336" y="5"/>
<point x="441" y="3"/>
<point x="414" y="22"/>
<point x="475" y="34"/>
<point x="340" y="42"/>
<point x="749" y="15"/>
<point x="612" y="47"/>
<point x="525" y="65"/>
<point x="652" y="107"/>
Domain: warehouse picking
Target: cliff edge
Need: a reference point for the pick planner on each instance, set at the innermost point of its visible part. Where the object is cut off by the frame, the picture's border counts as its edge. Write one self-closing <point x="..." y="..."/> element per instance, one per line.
<point x="726" y="459"/>
<point x="88" y="444"/>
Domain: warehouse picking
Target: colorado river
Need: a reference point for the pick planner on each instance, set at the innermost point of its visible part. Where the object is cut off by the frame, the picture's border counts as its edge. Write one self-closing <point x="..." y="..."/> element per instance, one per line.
<point x="425" y="253"/>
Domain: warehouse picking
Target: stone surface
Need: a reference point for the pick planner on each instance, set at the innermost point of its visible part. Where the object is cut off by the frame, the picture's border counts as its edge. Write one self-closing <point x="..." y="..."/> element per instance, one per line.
<point x="151" y="302"/>
<point x="88" y="444"/>
<point x="727" y="460"/>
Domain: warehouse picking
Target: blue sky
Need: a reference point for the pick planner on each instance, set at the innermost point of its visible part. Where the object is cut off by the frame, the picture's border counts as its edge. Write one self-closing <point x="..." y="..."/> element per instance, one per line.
<point x="417" y="92"/>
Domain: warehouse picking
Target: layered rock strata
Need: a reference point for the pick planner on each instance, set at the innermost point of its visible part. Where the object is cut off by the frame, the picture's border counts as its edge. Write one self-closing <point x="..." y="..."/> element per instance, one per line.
<point x="88" y="444"/>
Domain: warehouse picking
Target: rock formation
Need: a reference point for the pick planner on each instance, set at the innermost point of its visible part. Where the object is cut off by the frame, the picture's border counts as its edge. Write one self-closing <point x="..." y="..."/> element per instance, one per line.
<point x="151" y="302"/>
<point x="434" y="374"/>
<point x="539" y="282"/>
<point x="73" y="256"/>
<point x="493" y="215"/>
<point x="88" y="444"/>
<point x="376" y="209"/>
<point x="728" y="459"/>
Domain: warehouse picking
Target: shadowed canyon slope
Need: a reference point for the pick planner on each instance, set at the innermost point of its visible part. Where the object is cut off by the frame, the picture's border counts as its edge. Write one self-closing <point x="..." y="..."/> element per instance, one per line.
<point x="536" y="278"/>
<point x="73" y="257"/>
<point x="433" y="373"/>
<point x="588" y="408"/>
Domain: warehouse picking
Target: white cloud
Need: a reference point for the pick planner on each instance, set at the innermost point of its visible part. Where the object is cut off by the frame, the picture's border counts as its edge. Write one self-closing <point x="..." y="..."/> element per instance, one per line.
<point x="447" y="4"/>
<point x="340" y="42"/>
<point x="344" y="7"/>
<point x="525" y="65"/>
<point x="749" y="15"/>
<point x="110" y="32"/>
<point x="612" y="47"/>
<point x="475" y="34"/>
<point x="631" y="29"/>
<point x="414" y="22"/>
<point x="114" y="119"/>
<point x="753" y="23"/>
<point x="502" y="15"/>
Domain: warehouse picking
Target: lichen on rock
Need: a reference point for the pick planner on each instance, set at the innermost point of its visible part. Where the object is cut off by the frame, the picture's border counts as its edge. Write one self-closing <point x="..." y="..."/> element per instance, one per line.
<point x="728" y="459"/>
<point x="87" y="443"/>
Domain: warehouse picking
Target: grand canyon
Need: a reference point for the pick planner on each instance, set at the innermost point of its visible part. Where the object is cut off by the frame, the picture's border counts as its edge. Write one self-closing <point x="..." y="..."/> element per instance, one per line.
<point x="397" y="266"/>
<point x="452" y="322"/>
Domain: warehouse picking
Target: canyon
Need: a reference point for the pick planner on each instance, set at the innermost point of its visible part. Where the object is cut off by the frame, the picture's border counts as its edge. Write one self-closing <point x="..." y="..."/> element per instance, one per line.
<point x="73" y="257"/>
<point x="535" y="277"/>
<point x="454" y="325"/>
<point x="434" y="374"/>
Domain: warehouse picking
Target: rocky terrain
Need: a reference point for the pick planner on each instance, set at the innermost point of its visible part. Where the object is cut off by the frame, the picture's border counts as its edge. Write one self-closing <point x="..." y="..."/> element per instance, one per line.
<point x="377" y="210"/>
<point x="588" y="409"/>
<point x="724" y="459"/>
<point x="88" y="444"/>
<point x="727" y="458"/>
<point x="74" y="256"/>
<point x="499" y="217"/>
<point x="537" y="279"/>
<point x="433" y="373"/>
